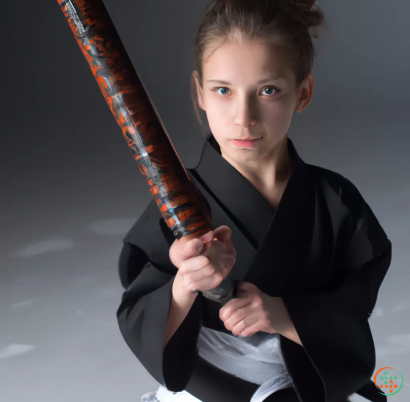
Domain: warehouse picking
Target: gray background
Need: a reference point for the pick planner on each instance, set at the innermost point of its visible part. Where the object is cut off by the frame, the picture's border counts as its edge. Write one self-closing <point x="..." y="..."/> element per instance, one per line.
<point x="70" y="188"/>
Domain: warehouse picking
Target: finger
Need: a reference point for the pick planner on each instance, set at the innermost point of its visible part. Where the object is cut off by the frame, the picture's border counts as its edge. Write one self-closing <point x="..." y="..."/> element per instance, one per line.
<point x="232" y="306"/>
<point x="223" y="233"/>
<point x="237" y="322"/>
<point x="249" y="288"/>
<point x="207" y="237"/>
<point x="241" y="293"/>
<point x="192" y="248"/>
<point x="245" y="323"/>
<point x="207" y="272"/>
<point x="194" y="265"/>
<point x="206" y="283"/>
<point x="251" y="329"/>
<point x="209" y="279"/>
<point x="245" y="285"/>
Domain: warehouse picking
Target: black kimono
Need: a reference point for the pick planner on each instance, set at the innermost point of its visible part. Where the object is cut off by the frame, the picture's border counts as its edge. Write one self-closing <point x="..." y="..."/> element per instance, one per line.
<point x="323" y="251"/>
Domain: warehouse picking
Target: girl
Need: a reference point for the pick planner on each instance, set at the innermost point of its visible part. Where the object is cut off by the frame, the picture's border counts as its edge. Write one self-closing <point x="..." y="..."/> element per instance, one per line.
<point x="305" y="250"/>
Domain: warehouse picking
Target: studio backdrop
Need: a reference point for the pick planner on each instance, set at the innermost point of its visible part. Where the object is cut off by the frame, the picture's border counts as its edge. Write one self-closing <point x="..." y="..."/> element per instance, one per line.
<point x="70" y="189"/>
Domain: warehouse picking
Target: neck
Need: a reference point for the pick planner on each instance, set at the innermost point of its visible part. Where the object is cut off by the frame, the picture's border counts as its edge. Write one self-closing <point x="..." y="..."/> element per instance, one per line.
<point x="269" y="172"/>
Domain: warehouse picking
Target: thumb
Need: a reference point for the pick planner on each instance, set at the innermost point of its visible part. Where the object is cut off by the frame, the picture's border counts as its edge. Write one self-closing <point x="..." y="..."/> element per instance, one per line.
<point x="191" y="248"/>
<point x="207" y="237"/>
<point x="183" y="249"/>
<point x="223" y="233"/>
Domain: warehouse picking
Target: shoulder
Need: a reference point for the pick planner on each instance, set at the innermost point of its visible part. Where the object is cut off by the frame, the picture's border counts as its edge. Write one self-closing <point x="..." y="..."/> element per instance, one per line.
<point x="338" y="189"/>
<point x="345" y="202"/>
<point x="151" y="234"/>
<point x="352" y="217"/>
<point x="333" y="179"/>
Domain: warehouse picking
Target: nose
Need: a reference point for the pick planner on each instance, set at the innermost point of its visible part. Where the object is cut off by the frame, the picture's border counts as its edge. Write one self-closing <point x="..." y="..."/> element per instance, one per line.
<point x="245" y="114"/>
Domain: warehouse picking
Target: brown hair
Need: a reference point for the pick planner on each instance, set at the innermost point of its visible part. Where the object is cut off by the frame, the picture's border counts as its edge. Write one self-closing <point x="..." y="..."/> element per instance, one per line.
<point x="280" y="22"/>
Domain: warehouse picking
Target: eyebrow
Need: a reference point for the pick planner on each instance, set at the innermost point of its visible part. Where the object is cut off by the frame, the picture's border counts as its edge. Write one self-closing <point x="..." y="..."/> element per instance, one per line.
<point x="259" y="82"/>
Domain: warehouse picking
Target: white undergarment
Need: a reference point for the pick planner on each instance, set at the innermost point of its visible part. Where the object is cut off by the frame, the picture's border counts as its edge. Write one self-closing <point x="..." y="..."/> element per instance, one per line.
<point x="257" y="359"/>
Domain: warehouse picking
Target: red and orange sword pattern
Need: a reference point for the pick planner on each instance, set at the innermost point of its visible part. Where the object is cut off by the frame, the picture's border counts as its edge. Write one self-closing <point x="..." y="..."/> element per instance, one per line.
<point x="181" y="204"/>
<point x="169" y="183"/>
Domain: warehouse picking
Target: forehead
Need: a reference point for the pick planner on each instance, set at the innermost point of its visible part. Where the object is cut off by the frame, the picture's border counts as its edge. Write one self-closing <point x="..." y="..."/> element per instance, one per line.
<point x="243" y="59"/>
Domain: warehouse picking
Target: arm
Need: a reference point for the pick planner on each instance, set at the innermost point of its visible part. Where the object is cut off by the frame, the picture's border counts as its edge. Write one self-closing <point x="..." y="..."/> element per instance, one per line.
<point x="253" y="311"/>
<point x="143" y="317"/>
<point x="180" y="305"/>
<point x="333" y="325"/>
<point x="283" y="323"/>
<point x="333" y="328"/>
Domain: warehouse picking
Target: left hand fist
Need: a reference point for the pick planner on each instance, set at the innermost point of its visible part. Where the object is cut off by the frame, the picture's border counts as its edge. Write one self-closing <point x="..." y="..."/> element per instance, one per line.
<point x="250" y="312"/>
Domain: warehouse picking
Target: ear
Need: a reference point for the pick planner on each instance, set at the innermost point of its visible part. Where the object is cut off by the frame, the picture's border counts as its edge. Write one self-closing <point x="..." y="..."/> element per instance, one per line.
<point x="198" y="90"/>
<point x="305" y="94"/>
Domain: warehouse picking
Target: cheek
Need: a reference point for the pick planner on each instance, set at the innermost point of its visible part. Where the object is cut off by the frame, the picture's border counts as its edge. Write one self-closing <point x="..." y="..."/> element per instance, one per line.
<point x="278" y="113"/>
<point x="216" y="113"/>
<point x="218" y="126"/>
<point x="212" y="103"/>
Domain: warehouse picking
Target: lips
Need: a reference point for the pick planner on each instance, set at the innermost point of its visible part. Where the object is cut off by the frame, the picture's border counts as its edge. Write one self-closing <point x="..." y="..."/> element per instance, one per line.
<point x="246" y="139"/>
<point x="248" y="143"/>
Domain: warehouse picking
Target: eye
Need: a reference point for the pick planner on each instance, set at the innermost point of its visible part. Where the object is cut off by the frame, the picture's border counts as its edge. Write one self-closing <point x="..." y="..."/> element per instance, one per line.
<point x="270" y="89"/>
<point x="224" y="92"/>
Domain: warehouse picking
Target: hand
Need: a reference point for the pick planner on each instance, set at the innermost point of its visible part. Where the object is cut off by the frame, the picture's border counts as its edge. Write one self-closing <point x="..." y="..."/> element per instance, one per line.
<point x="203" y="262"/>
<point x="252" y="311"/>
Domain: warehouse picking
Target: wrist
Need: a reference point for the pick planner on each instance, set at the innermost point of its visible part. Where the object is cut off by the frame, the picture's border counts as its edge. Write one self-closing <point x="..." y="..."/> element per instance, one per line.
<point x="180" y="294"/>
<point x="279" y="315"/>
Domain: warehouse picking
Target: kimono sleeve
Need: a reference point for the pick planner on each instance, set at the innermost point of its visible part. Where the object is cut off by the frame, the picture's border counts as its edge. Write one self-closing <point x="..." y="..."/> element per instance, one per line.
<point x="143" y="312"/>
<point x="333" y="326"/>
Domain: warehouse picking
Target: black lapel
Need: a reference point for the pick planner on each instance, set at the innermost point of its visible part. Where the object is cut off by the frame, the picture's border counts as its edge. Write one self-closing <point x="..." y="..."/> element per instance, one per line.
<point x="284" y="235"/>
<point x="241" y="201"/>
<point x="245" y="251"/>
<point x="289" y="236"/>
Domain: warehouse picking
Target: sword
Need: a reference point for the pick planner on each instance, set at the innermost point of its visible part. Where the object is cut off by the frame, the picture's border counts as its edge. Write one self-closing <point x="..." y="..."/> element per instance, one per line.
<point x="179" y="200"/>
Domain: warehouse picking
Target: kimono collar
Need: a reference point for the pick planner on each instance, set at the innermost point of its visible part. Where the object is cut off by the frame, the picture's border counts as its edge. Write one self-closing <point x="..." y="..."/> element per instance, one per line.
<point x="241" y="200"/>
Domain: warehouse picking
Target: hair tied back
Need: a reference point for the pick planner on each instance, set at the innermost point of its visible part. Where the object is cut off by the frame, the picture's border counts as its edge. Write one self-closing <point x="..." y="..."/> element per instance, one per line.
<point x="306" y="6"/>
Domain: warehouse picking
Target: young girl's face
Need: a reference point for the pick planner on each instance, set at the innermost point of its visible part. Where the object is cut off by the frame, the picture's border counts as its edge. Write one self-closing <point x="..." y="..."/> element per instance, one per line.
<point x="249" y="92"/>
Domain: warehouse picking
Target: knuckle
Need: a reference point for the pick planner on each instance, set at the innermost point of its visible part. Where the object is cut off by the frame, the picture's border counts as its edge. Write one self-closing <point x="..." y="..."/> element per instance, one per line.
<point x="190" y="246"/>
<point x="188" y="252"/>
<point x="257" y="301"/>
<point x="190" y="285"/>
<point x="218" y="278"/>
<point x="227" y="312"/>
<point x="227" y="228"/>
<point x="182" y="267"/>
<point x="203" y="261"/>
<point x="264" y="316"/>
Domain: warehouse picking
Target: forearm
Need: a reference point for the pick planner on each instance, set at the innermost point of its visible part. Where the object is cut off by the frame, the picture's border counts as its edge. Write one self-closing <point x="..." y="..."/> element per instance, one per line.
<point x="180" y="305"/>
<point x="290" y="333"/>
<point x="283" y="323"/>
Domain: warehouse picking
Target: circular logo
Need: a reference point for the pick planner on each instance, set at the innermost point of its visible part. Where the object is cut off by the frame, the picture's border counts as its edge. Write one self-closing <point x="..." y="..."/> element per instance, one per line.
<point x="388" y="380"/>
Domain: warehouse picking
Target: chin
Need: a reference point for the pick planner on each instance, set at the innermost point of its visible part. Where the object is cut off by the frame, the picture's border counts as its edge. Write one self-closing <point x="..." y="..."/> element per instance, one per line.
<point x="244" y="154"/>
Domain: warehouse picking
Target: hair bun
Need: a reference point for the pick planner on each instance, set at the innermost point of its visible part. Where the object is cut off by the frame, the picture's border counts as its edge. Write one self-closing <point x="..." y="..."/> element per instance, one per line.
<point x="311" y="18"/>
<point x="305" y="5"/>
